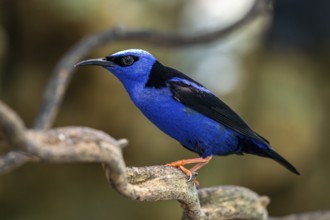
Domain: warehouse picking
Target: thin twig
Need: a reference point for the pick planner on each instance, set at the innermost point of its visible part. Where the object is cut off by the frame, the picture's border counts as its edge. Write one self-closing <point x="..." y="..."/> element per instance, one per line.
<point x="13" y="160"/>
<point x="63" y="71"/>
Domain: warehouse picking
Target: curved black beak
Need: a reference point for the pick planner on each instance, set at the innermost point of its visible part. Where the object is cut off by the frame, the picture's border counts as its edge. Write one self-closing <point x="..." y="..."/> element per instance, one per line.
<point x="97" y="62"/>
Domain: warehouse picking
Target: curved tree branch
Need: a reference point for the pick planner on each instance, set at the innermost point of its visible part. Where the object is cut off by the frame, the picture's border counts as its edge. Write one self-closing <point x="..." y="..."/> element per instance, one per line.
<point x="63" y="71"/>
<point x="80" y="144"/>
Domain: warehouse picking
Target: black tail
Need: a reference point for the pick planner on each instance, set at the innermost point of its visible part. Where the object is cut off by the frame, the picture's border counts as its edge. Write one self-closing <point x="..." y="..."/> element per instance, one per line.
<point x="269" y="153"/>
<point x="278" y="158"/>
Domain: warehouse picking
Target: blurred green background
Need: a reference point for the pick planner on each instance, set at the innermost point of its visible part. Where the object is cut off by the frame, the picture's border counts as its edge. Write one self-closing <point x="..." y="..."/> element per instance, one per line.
<point x="274" y="72"/>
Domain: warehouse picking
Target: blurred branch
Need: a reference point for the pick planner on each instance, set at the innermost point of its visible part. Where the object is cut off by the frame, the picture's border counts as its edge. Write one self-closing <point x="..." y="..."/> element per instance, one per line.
<point x="319" y="215"/>
<point x="63" y="71"/>
<point x="13" y="160"/>
<point x="79" y="144"/>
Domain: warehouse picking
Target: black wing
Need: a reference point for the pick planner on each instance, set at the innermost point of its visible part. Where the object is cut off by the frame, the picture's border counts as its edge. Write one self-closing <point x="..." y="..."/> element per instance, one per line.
<point x="211" y="106"/>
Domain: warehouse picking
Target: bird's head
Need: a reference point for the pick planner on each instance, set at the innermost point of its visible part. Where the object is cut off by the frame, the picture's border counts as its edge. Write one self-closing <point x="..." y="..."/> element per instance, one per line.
<point x="129" y="66"/>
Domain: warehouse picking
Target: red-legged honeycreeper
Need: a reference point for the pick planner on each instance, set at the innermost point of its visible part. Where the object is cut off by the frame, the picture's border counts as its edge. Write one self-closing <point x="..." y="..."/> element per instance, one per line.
<point x="185" y="110"/>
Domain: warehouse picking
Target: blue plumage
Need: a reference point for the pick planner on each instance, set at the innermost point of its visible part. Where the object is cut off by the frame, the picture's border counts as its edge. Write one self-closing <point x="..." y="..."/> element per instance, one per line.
<point x="184" y="109"/>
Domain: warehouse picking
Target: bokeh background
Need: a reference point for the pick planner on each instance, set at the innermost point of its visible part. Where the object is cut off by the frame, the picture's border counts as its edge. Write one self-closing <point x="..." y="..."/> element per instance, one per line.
<point x="274" y="72"/>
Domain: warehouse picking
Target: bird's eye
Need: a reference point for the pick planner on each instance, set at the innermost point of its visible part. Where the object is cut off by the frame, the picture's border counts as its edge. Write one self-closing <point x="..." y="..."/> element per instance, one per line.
<point x="127" y="60"/>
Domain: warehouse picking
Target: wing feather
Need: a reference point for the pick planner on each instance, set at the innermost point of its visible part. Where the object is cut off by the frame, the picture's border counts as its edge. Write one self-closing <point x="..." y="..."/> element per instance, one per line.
<point x="203" y="101"/>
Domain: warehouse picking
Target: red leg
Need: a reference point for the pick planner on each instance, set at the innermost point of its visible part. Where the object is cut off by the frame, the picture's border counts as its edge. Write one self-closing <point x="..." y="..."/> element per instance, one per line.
<point x="200" y="162"/>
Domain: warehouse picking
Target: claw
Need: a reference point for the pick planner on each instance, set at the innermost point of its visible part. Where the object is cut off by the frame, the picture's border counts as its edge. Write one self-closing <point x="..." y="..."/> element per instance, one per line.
<point x="190" y="177"/>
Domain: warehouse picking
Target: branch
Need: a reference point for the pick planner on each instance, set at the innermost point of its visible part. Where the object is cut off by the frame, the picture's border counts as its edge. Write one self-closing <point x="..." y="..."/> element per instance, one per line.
<point x="319" y="215"/>
<point x="63" y="71"/>
<point x="80" y="144"/>
<point x="13" y="160"/>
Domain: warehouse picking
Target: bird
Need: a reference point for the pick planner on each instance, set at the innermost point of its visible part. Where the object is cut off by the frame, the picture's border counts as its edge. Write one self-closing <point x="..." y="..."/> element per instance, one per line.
<point x="185" y="110"/>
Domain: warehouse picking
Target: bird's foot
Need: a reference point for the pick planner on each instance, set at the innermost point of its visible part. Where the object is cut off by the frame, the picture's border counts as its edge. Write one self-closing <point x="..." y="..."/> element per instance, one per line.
<point x="200" y="162"/>
<point x="182" y="168"/>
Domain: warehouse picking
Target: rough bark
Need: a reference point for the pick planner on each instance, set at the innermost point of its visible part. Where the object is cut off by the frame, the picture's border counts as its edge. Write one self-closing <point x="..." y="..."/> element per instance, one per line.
<point x="153" y="183"/>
